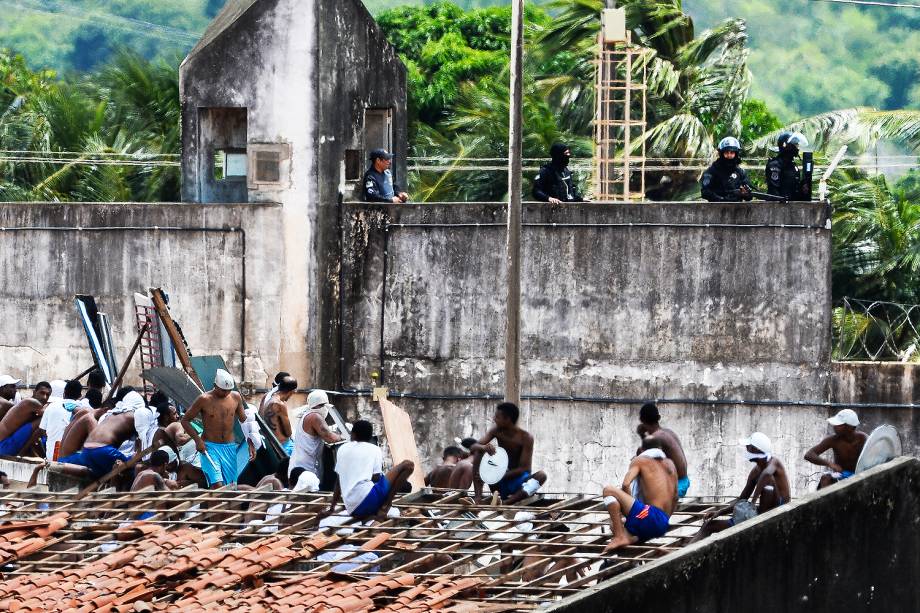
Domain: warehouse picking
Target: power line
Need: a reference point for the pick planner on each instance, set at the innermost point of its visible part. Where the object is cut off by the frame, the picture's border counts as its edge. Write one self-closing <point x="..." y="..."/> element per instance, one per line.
<point x="871" y="3"/>
<point x="130" y="24"/>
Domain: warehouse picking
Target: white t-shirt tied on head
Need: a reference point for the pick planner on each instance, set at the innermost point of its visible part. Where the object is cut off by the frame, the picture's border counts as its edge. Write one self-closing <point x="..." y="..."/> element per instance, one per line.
<point x="356" y="463"/>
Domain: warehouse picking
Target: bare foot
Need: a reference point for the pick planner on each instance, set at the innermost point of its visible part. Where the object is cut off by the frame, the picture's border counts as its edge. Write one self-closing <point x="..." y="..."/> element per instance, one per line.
<point x="496" y="499"/>
<point x="616" y="543"/>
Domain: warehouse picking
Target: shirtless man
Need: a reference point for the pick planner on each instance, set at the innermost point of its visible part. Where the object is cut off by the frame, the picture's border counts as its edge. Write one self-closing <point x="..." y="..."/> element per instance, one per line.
<point x="100" y="452"/>
<point x="653" y="476"/>
<point x="767" y="484"/>
<point x="7" y="393"/>
<point x="275" y="413"/>
<point x="22" y="421"/>
<point x="217" y="445"/>
<point x="156" y="473"/>
<point x="309" y="436"/>
<point x="462" y="476"/>
<point x="518" y="482"/>
<point x="440" y="475"/>
<point x="649" y="419"/>
<point x="846" y="442"/>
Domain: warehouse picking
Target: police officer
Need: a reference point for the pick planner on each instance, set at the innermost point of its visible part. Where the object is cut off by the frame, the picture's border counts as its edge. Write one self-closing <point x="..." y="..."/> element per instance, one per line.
<point x="783" y="177"/>
<point x="725" y="180"/>
<point x="378" y="180"/>
<point x="554" y="183"/>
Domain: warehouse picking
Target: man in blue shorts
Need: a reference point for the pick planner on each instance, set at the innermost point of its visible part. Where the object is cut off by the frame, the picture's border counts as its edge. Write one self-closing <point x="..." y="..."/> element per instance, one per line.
<point x="519" y="481"/>
<point x="648" y="497"/>
<point x="846" y="443"/>
<point x="649" y="425"/>
<point x="217" y="444"/>
<point x="19" y="425"/>
<point x="100" y="451"/>
<point x="361" y="484"/>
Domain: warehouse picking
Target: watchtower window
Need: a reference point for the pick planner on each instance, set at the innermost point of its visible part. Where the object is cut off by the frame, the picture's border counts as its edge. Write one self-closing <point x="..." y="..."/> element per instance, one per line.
<point x="229" y="164"/>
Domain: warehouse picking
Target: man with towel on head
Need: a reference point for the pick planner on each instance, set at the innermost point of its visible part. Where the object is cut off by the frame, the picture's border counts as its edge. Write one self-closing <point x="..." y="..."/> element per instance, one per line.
<point x="309" y="435"/>
<point x="767" y="486"/>
<point x="648" y="497"/>
<point x="275" y="413"/>
<point x="217" y="444"/>
<point x="846" y="442"/>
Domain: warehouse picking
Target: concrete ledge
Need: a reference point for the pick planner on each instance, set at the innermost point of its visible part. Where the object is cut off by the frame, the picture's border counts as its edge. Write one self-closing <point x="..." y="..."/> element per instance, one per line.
<point x="852" y="547"/>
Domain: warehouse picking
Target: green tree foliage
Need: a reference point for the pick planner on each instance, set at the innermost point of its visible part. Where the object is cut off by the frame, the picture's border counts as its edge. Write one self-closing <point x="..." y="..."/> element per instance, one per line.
<point x="71" y="132"/>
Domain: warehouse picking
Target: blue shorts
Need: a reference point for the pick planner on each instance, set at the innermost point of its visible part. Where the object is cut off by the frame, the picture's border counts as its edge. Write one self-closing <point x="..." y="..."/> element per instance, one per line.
<point x="14" y="443"/>
<point x="224" y="467"/>
<point x="845" y="474"/>
<point x="288" y="446"/>
<point x="646" y="522"/>
<point x="99" y="460"/>
<point x="507" y="487"/>
<point x="683" y="484"/>
<point x="374" y="499"/>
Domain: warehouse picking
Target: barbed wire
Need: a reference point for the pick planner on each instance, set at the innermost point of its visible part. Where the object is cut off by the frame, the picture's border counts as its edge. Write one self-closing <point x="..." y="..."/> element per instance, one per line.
<point x="876" y="330"/>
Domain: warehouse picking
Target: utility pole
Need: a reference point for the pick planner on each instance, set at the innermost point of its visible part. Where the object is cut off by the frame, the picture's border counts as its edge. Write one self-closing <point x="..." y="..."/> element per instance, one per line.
<point x="513" y="247"/>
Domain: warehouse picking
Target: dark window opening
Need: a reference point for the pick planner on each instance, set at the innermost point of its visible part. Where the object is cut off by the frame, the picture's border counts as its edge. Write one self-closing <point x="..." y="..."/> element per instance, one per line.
<point x="268" y="167"/>
<point x="352" y="165"/>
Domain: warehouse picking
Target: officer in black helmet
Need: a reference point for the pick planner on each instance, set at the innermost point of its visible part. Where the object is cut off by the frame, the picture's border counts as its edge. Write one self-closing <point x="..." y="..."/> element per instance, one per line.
<point x="555" y="183"/>
<point x="783" y="177"/>
<point x="725" y="180"/>
<point x="379" y="185"/>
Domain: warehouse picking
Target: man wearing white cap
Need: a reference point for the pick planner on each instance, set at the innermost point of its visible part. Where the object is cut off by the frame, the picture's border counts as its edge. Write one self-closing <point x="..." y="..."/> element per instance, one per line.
<point x="847" y="443"/>
<point x="767" y="484"/>
<point x="309" y="435"/>
<point x="7" y="393"/>
<point x="217" y="444"/>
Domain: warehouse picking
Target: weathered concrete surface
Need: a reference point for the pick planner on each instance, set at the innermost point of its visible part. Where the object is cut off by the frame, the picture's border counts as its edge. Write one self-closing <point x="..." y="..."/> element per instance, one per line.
<point x="210" y="259"/>
<point x="303" y="72"/>
<point x="707" y="317"/>
<point x="850" y="548"/>
<point x="876" y="382"/>
<point x="652" y="310"/>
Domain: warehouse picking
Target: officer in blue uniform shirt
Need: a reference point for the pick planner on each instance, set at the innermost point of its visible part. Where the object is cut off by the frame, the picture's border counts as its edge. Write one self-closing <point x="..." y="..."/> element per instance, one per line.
<point x="378" y="180"/>
<point x="725" y="180"/>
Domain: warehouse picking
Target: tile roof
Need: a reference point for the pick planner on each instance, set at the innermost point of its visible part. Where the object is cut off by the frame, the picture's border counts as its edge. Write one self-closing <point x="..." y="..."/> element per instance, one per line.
<point x="441" y="555"/>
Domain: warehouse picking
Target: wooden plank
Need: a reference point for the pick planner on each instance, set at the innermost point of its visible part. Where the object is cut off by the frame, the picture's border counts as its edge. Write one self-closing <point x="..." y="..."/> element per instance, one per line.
<point x="178" y="341"/>
<point x="401" y="439"/>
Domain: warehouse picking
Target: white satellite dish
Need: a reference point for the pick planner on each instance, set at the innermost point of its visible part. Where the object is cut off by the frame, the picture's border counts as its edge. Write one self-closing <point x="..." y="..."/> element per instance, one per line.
<point x="881" y="446"/>
<point x="493" y="467"/>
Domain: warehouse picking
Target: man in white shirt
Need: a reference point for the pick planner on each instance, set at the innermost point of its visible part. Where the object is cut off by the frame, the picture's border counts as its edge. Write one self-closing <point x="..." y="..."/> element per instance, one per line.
<point x="361" y="484"/>
<point x="57" y="416"/>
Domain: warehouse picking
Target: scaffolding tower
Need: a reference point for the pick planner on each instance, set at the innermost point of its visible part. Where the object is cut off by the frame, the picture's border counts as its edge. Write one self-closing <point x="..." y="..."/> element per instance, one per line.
<point x="620" y="112"/>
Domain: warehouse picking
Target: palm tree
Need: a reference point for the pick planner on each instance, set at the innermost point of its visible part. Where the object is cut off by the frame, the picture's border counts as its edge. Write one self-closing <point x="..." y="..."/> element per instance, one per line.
<point x="696" y="83"/>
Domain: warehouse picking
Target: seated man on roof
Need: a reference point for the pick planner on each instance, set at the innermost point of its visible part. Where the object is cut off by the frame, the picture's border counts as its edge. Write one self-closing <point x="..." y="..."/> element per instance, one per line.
<point x="21" y="422"/>
<point x="650" y="426"/>
<point x="57" y="417"/>
<point x="847" y="444"/>
<point x="440" y="475"/>
<point x="518" y="482"/>
<point x="217" y="443"/>
<point x="101" y="452"/>
<point x="646" y="500"/>
<point x="767" y="487"/>
<point x="362" y="484"/>
<point x="9" y="397"/>
<point x="462" y="476"/>
<point x="156" y="475"/>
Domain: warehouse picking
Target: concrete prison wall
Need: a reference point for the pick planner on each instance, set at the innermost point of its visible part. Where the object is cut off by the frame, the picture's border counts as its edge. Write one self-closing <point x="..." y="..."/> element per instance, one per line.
<point x="217" y="263"/>
<point x="721" y="310"/>
<point x="850" y="548"/>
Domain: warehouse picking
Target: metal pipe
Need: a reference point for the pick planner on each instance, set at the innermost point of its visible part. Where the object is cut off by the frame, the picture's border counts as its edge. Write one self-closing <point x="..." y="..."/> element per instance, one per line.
<point x="613" y="225"/>
<point x="205" y="229"/>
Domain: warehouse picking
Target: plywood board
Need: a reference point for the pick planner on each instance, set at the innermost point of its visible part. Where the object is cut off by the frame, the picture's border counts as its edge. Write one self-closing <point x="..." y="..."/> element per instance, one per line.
<point x="401" y="440"/>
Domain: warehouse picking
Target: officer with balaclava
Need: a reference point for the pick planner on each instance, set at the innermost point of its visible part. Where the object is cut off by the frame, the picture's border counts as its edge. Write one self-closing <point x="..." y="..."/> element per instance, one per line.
<point x="725" y="180"/>
<point x="555" y="183"/>
<point x="783" y="177"/>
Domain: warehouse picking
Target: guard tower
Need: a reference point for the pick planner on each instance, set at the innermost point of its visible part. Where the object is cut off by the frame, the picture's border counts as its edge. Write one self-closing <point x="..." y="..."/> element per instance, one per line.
<point x="619" y="119"/>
